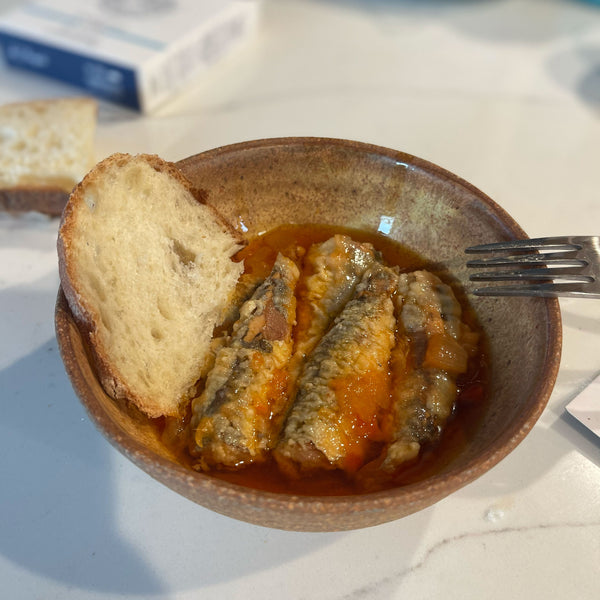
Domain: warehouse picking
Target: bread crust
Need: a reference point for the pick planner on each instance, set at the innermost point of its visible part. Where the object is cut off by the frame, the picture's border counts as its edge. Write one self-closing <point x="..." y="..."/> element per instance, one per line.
<point x="85" y="317"/>
<point x="46" y="200"/>
<point x="42" y="103"/>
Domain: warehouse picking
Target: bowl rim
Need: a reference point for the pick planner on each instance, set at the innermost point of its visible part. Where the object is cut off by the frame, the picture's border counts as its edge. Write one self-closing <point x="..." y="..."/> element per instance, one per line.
<point x="399" y="156"/>
<point x="436" y="486"/>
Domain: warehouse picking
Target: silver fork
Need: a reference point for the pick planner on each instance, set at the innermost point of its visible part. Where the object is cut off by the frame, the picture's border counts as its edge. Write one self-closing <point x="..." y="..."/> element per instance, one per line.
<point x="548" y="267"/>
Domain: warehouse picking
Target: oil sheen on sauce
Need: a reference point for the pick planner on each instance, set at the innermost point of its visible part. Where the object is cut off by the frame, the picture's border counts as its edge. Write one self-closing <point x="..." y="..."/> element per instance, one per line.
<point x="293" y="241"/>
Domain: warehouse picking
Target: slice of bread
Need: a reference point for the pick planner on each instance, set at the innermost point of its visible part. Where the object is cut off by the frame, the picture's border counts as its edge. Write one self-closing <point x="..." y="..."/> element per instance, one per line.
<point x="147" y="269"/>
<point x="46" y="147"/>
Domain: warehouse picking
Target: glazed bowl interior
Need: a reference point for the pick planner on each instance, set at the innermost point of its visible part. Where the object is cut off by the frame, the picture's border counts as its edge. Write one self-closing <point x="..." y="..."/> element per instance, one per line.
<point x="259" y="185"/>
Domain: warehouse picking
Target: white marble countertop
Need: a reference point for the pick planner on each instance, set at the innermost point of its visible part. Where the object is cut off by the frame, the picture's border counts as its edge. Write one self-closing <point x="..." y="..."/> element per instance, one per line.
<point x="505" y="93"/>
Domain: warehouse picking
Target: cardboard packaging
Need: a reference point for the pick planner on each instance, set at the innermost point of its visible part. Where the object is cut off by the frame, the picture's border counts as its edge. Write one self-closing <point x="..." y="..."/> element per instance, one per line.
<point x="138" y="53"/>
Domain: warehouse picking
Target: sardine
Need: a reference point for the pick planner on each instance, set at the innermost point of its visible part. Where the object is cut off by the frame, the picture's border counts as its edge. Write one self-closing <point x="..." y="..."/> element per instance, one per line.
<point x="331" y="273"/>
<point x="431" y="351"/>
<point x="238" y="417"/>
<point x="344" y="384"/>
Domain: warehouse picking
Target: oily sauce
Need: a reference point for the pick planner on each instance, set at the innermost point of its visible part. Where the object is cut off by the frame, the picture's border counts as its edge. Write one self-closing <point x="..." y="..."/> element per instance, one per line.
<point x="293" y="241"/>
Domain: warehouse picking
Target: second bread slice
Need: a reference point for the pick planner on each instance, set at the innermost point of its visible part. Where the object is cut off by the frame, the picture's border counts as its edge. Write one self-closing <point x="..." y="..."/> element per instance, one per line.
<point x="147" y="270"/>
<point x="46" y="147"/>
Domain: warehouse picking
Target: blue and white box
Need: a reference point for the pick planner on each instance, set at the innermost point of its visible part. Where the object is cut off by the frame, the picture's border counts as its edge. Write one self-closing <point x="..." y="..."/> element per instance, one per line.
<point x="138" y="53"/>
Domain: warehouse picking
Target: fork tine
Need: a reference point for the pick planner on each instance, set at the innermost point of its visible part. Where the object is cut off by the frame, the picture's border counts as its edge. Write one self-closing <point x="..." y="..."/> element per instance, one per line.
<point x="552" y="243"/>
<point x="539" y="290"/>
<point x="551" y="260"/>
<point x="531" y="274"/>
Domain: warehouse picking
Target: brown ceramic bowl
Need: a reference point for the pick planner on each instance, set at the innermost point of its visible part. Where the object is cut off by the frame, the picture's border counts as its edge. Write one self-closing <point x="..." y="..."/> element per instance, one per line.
<point x="260" y="184"/>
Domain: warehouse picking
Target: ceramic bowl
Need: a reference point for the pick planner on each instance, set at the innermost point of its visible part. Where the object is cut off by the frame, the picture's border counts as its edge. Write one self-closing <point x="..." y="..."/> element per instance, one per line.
<point x="260" y="184"/>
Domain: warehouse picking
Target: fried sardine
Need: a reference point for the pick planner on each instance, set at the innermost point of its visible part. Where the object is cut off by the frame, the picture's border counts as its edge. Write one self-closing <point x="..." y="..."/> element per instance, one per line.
<point x="331" y="273"/>
<point x="432" y="349"/>
<point x="344" y="384"/>
<point x="238" y="417"/>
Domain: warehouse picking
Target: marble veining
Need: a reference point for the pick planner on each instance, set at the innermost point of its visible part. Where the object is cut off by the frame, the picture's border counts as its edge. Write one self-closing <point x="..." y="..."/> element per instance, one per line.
<point x="386" y="587"/>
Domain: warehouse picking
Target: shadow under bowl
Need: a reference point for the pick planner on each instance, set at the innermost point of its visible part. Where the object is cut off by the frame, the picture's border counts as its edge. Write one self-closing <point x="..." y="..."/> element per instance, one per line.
<point x="260" y="184"/>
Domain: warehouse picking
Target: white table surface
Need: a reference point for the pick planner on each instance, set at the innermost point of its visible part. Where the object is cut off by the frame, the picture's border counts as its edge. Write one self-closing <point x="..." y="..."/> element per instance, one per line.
<point x="506" y="94"/>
